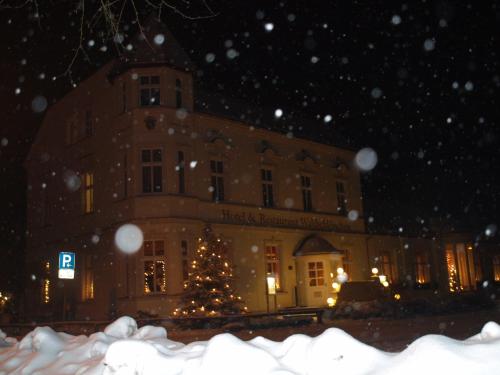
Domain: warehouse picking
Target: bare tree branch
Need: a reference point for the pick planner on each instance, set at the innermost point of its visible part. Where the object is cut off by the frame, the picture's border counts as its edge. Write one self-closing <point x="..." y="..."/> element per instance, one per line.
<point x="111" y="14"/>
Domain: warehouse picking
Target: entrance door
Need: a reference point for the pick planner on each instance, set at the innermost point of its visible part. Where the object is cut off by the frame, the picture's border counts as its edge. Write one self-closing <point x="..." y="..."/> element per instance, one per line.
<point x="316" y="282"/>
<point x="315" y="274"/>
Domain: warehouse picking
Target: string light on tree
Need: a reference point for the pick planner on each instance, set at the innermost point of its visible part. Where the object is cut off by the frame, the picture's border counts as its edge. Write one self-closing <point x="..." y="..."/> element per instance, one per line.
<point x="208" y="290"/>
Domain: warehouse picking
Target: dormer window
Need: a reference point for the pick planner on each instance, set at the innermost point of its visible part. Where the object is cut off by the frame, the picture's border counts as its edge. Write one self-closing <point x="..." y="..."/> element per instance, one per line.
<point x="150" y="90"/>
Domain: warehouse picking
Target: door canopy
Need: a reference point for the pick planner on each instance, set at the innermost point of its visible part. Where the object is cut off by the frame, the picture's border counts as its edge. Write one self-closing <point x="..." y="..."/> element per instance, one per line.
<point x="315" y="244"/>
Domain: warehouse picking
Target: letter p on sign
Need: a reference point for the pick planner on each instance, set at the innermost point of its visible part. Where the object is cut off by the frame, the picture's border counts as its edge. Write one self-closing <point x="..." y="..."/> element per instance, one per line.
<point x="66" y="265"/>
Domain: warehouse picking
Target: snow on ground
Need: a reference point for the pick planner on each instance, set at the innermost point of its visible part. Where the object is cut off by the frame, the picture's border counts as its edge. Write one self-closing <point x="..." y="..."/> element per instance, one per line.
<point x="124" y="349"/>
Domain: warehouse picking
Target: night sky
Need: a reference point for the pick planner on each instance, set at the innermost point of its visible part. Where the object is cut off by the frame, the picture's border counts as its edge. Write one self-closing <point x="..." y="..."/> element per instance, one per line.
<point x="416" y="81"/>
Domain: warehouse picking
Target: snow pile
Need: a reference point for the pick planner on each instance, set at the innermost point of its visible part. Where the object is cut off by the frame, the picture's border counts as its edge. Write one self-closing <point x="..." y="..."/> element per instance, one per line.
<point x="124" y="349"/>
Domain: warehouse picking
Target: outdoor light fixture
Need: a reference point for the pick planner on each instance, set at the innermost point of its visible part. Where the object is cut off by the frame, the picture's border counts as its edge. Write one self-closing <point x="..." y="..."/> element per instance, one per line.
<point x="385" y="284"/>
<point x="271" y="284"/>
<point x="342" y="277"/>
<point x="397" y="297"/>
<point x="375" y="270"/>
<point x="271" y="290"/>
<point x="331" y="301"/>
<point x="382" y="279"/>
<point x="340" y="271"/>
<point x="336" y="286"/>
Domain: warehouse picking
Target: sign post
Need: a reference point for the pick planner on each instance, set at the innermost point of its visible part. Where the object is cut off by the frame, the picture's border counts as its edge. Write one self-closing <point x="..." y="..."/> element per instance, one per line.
<point x="67" y="262"/>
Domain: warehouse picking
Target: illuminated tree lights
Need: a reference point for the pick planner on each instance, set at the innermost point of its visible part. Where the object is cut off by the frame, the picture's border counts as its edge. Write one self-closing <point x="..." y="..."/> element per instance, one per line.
<point x="452" y="273"/>
<point x="208" y="290"/>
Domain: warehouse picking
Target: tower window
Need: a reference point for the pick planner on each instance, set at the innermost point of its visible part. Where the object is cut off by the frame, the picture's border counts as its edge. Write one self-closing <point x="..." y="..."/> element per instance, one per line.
<point x="152" y="167"/>
<point x="155" y="277"/>
<point x="150" y="90"/>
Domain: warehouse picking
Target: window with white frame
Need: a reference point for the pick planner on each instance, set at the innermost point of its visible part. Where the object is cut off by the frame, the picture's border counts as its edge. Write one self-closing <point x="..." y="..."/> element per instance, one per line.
<point x="217" y="180"/>
<point x="316" y="273"/>
<point x="155" y="276"/>
<point x="422" y="268"/>
<point x="273" y="266"/>
<point x="346" y="262"/>
<point x="152" y="170"/>
<point x="341" y="198"/>
<point x="267" y="187"/>
<point x="386" y="265"/>
<point x="149" y="90"/>
<point x="305" y="183"/>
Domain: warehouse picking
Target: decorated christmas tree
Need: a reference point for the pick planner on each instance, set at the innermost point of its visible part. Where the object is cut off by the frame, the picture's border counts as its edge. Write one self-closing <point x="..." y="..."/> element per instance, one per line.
<point x="209" y="290"/>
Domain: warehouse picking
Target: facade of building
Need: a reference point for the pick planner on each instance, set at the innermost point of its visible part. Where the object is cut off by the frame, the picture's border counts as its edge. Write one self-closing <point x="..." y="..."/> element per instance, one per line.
<point x="128" y="146"/>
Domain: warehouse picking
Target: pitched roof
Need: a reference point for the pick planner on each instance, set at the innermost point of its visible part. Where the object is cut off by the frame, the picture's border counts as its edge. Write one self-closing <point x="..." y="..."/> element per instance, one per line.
<point x="155" y="46"/>
<point x="315" y="244"/>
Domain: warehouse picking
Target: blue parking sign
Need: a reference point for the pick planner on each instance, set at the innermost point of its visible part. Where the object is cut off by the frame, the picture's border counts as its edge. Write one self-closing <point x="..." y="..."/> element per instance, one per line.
<point x="67" y="262"/>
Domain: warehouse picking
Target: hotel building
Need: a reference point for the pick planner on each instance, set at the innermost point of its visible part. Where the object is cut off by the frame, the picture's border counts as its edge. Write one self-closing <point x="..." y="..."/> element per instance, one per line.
<point x="128" y="145"/>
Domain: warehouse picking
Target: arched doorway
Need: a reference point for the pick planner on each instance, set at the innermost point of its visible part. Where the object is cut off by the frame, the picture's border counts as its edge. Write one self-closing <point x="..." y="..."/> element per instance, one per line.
<point x="317" y="261"/>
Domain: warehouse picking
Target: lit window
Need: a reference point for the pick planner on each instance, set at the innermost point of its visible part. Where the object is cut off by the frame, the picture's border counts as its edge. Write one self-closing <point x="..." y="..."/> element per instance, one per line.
<point x="150" y="90"/>
<point x="88" y="192"/>
<point x="267" y="187"/>
<point x="341" y="198"/>
<point x="346" y="262"/>
<point x="152" y="166"/>
<point x="461" y="266"/>
<point x="88" y="279"/>
<point x="273" y="263"/>
<point x="305" y="182"/>
<point x="496" y="267"/>
<point x="217" y="180"/>
<point x="155" y="277"/>
<point x="478" y="267"/>
<point x="386" y="266"/>
<point x="316" y="273"/>
<point x="422" y="268"/>
<point x="178" y="93"/>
